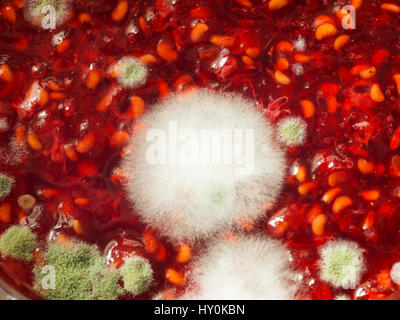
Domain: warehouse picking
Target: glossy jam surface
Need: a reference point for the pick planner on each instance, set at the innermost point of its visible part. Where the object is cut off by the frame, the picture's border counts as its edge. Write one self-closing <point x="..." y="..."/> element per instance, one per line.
<point x="68" y="121"/>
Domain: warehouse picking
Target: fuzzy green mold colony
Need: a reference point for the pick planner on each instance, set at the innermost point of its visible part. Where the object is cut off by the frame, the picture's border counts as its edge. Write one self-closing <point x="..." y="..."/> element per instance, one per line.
<point x="80" y="274"/>
<point x="40" y="4"/>
<point x="18" y="243"/>
<point x="292" y="131"/>
<point x="6" y="184"/>
<point x="106" y="285"/>
<point x="47" y="12"/>
<point x="137" y="275"/>
<point x="341" y="264"/>
<point x="130" y="72"/>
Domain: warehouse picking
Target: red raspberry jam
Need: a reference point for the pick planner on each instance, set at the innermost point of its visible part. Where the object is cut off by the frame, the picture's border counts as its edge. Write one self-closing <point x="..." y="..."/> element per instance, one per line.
<point x="65" y="122"/>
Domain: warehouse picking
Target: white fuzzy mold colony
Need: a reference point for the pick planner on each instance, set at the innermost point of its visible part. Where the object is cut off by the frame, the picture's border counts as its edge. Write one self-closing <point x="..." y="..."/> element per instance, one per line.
<point x="204" y="160"/>
<point x="395" y="273"/>
<point x="342" y="264"/>
<point x="250" y="268"/>
<point x="48" y="14"/>
<point x="129" y="72"/>
<point x="297" y="69"/>
<point x="300" y="43"/>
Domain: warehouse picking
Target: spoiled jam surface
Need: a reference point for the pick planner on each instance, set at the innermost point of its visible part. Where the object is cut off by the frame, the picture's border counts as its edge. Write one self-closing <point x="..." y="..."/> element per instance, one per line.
<point x="68" y="122"/>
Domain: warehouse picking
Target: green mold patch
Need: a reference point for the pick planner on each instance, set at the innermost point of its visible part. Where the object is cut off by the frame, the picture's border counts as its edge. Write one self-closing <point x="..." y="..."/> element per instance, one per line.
<point x="137" y="275"/>
<point x="342" y="263"/>
<point x="80" y="273"/>
<point x="18" y="242"/>
<point x="6" y="184"/>
<point x="292" y="131"/>
<point x="105" y="287"/>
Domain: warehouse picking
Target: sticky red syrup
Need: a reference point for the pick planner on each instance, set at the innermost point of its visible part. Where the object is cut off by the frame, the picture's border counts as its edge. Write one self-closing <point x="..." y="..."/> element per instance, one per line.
<point x="69" y="121"/>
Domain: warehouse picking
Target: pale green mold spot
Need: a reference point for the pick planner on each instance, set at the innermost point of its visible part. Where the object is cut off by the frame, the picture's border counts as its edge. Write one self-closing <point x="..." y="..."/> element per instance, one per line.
<point x="18" y="242"/>
<point x="106" y="286"/>
<point x="131" y="72"/>
<point x="341" y="264"/>
<point x="137" y="275"/>
<point x="292" y="131"/>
